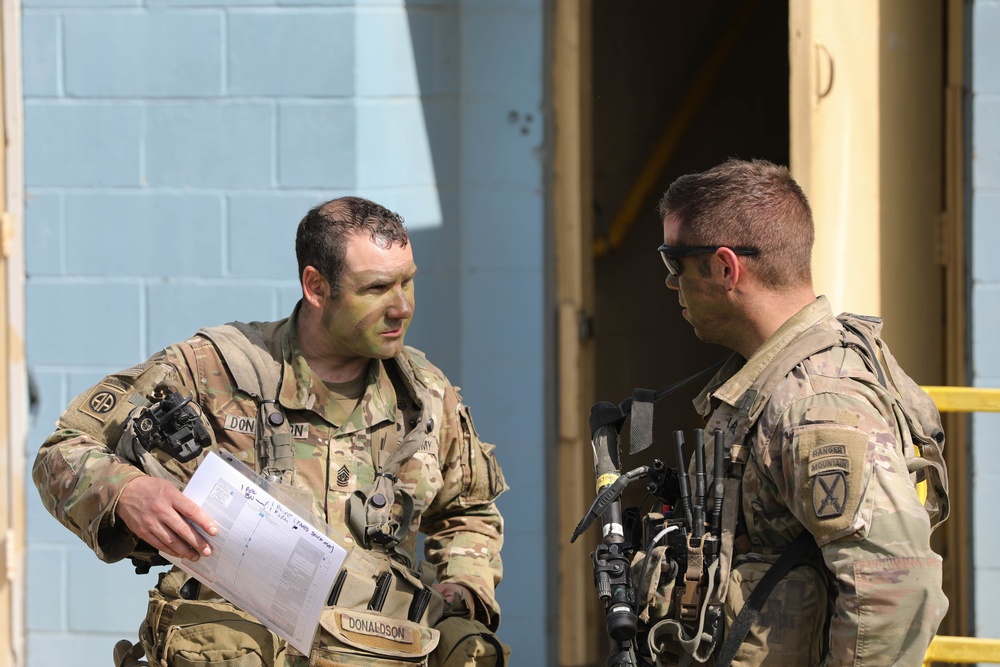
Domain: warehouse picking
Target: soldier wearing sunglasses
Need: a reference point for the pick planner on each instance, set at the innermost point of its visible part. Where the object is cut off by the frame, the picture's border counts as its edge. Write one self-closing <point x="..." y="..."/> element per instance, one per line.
<point x="825" y="454"/>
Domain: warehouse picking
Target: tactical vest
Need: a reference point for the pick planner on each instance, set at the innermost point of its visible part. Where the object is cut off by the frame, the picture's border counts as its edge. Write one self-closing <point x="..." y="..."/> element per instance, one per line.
<point x="377" y="586"/>
<point x="922" y="443"/>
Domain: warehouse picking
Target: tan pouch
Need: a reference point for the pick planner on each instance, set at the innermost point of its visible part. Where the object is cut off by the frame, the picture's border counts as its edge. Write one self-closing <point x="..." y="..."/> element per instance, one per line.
<point x="192" y="633"/>
<point x="468" y="643"/>
<point x="792" y="621"/>
<point x="348" y="637"/>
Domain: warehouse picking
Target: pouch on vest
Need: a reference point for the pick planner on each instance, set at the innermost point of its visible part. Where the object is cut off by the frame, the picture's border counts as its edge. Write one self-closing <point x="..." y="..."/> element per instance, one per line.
<point x="468" y="643"/>
<point x="792" y="622"/>
<point x="189" y="633"/>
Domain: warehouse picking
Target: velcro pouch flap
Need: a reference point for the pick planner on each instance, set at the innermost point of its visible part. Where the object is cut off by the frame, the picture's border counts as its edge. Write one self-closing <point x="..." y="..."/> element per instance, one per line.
<point x="379" y="634"/>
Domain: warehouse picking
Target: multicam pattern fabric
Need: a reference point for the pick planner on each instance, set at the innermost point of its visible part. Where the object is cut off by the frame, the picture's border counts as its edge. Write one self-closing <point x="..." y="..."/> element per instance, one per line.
<point x="825" y="455"/>
<point x="453" y="479"/>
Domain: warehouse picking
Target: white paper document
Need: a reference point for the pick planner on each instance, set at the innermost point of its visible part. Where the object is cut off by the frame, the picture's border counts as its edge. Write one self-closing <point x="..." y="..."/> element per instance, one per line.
<point x="267" y="559"/>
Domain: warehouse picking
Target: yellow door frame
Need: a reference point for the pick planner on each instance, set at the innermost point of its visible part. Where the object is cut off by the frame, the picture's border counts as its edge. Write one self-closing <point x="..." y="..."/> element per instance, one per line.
<point x="876" y="142"/>
<point x="13" y="373"/>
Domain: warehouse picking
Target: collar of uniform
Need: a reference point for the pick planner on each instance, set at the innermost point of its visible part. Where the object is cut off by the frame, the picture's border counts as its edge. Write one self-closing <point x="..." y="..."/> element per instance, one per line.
<point x="732" y="389"/>
<point x="302" y="389"/>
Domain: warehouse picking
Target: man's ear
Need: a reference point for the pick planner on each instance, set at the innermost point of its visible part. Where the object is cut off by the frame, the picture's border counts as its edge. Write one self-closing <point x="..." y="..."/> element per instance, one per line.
<point x="315" y="288"/>
<point x="732" y="270"/>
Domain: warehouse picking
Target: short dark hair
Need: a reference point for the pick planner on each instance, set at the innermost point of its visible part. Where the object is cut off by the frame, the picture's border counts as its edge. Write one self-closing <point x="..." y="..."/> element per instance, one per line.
<point x="321" y="239"/>
<point x="747" y="203"/>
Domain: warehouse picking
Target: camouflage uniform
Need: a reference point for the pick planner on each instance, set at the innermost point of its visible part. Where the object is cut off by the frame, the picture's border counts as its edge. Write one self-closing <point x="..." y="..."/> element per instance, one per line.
<point x="453" y="479"/>
<point x="825" y="456"/>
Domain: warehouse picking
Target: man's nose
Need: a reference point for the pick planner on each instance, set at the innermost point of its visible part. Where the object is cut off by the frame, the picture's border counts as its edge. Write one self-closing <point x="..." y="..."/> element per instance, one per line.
<point x="401" y="307"/>
<point x="672" y="282"/>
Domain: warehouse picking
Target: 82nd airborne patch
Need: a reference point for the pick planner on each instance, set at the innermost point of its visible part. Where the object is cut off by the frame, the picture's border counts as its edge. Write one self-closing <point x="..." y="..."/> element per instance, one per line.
<point x="102" y="401"/>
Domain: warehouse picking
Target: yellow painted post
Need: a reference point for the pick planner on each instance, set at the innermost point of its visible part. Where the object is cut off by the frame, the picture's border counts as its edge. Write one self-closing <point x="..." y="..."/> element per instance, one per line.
<point x="962" y="650"/>
<point x="965" y="399"/>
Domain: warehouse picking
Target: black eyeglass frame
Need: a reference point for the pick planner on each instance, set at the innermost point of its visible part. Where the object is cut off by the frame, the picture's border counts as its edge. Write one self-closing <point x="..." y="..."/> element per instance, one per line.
<point x="671" y="255"/>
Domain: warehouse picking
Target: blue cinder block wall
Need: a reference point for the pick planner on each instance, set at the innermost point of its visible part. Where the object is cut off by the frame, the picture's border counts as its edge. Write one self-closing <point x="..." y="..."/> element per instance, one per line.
<point x="171" y="146"/>
<point x="984" y="206"/>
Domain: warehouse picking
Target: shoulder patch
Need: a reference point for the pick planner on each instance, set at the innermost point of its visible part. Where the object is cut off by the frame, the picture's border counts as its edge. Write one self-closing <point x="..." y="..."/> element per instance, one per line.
<point x="829" y="490"/>
<point x="830" y="473"/>
<point x="103" y="400"/>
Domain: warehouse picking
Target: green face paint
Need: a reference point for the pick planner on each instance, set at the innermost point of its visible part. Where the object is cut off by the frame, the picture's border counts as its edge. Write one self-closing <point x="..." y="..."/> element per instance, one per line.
<point x="370" y="318"/>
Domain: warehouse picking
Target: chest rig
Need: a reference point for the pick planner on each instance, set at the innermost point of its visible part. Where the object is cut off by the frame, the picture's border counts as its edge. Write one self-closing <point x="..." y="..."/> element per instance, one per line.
<point x="735" y="417"/>
<point x="373" y="519"/>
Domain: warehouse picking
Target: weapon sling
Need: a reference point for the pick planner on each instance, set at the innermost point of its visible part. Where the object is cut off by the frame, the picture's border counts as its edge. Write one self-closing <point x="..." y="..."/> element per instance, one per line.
<point x="751" y="610"/>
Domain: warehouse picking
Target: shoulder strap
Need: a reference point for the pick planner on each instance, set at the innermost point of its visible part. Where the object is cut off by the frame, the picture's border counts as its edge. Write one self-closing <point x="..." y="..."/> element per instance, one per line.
<point x="751" y="610"/>
<point x="258" y="374"/>
<point x="370" y="513"/>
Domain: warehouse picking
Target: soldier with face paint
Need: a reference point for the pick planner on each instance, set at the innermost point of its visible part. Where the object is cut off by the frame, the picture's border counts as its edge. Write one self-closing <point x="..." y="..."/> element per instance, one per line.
<point x="825" y="454"/>
<point x="350" y="394"/>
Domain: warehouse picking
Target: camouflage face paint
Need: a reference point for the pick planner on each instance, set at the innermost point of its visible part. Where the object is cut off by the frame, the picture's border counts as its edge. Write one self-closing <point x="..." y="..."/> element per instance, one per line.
<point x="370" y="318"/>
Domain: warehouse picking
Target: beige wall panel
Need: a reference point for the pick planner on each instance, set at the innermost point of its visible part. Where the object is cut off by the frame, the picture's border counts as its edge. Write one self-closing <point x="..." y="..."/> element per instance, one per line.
<point x="576" y="603"/>
<point x="13" y="372"/>
<point x="834" y="138"/>
<point x="911" y="177"/>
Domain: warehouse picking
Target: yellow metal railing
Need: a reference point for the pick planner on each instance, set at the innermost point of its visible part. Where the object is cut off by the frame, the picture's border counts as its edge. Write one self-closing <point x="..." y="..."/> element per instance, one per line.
<point x="965" y="399"/>
<point x="963" y="650"/>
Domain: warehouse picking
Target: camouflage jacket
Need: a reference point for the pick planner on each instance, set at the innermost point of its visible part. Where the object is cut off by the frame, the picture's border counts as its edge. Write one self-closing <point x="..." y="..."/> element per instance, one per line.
<point x="454" y="477"/>
<point x="825" y="456"/>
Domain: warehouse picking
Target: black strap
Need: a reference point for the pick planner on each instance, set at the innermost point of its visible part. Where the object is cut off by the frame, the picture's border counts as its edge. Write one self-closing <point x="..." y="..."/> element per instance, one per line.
<point x="751" y="610"/>
<point x="612" y="414"/>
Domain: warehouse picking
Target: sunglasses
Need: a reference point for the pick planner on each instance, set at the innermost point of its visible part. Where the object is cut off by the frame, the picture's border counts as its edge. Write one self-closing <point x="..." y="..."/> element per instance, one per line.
<point x="672" y="255"/>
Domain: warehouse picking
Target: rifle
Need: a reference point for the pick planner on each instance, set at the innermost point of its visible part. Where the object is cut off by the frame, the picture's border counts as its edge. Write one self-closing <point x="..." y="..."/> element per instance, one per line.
<point x="688" y="529"/>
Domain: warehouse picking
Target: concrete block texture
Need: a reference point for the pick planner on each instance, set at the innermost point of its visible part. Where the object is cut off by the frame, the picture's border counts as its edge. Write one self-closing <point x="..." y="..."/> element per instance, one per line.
<point x="148" y="54"/>
<point x="210" y="4"/>
<point x="510" y="228"/>
<point x="82" y="144"/>
<point x="74" y="4"/>
<point x="47" y="584"/>
<point x="40" y="60"/>
<point x="985" y="27"/>
<point x="178" y="310"/>
<point x="106" y="597"/>
<point x="494" y="64"/>
<point x="316" y="147"/>
<point x="985" y="329"/>
<point x="986" y="231"/>
<point x="204" y="145"/>
<point x="502" y="314"/>
<point x="508" y="130"/>
<point x="77" y="323"/>
<point x="393" y="142"/>
<point x="144" y="234"/>
<point x="291" y="53"/>
<point x="44" y="241"/>
<point x="406" y="51"/>
<point x="985" y="143"/>
<point x="261" y="233"/>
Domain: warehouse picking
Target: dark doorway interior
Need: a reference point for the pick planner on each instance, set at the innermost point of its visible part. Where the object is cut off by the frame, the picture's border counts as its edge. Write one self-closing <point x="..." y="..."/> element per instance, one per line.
<point x="716" y="75"/>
